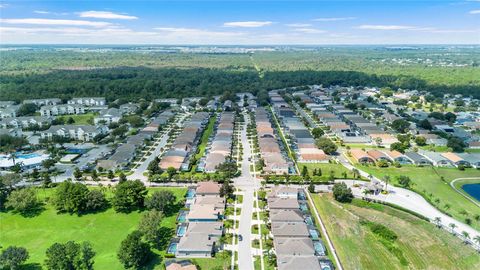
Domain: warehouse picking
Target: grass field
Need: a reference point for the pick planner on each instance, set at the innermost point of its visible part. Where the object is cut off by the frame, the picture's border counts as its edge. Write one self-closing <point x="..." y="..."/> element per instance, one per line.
<point x="327" y="168"/>
<point x="221" y="261"/>
<point x="428" y="181"/>
<point x="204" y="140"/>
<point x="80" y="119"/>
<point x="104" y="230"/>
<point x="420" y="243"/>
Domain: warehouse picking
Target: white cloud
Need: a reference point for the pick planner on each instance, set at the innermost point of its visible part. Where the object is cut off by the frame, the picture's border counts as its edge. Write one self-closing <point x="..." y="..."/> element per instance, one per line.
<point x="36" y="21"/>
<point x="105" y="15"/>
<point x="250" y="24"/>
<point x="385" y="27"/>
<point x="309" y="30"/>
<point x="298" y="24"/>
<point x="334" y="19"/>
<point x="186" y="32"/>
<point x="476" y="11"/>
<point x="41" y="12"/>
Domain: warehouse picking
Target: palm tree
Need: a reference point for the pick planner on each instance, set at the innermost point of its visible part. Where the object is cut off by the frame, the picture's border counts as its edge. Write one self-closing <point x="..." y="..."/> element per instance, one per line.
<point x="356" y="173"/>
<point x="438" y="222"/>
<point x="452" y="226"/>
<point x="477" y="239"/>
<point x="365" y="192"/>
<point x="386" y="179"/>
<point x="466" y="236"/>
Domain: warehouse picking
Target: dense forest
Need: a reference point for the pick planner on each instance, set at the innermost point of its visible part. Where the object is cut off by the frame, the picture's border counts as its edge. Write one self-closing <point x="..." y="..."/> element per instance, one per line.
<point x="130" y="74"/>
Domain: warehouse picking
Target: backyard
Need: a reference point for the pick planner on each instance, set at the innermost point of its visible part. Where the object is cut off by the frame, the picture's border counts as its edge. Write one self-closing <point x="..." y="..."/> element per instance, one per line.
<point x="428" y="181"/>
<point x="419" y="244"/>
<point x="104" y="230"/>
<point x="80" y="119"/>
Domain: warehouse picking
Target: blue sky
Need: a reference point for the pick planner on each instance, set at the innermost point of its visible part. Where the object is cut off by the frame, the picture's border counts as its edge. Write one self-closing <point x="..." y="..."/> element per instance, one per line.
<point x="239" y="22"/>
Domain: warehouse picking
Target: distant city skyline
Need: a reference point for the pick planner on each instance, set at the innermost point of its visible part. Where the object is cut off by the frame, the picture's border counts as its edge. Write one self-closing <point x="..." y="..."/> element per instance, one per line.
<point x="240" y="23"/>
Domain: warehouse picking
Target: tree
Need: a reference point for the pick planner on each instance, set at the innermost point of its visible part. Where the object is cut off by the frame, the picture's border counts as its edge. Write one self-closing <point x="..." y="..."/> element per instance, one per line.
<point x="96" y="200"/>
<point x="342" y="193"/>
<point x="311" y="187"/>
<point x="437" y="221"/>
<point x="404" y="181"/>
<point x="171" y="171"/>
<point x="48" y="163"/>
<point x="450" y="117"/>
<point x="94" y="175"/>
<point x="226" y="190"/>
<point x="400" y="125"/>
<point x="71" y="197"/>
<point x="398" y="146"/>
<point x="47" y="181"/>
<point x="70" y="120"/>
<point x="425" y="124"/>
<point x="22" y="200"/>
<point x="153" y="166"/>
<point x="317" y="132"/>
<point x="133" y="252"/>
<point x="110" y="175"/>
<point x="13" y="257"/>
<point x="326" y="145"/>
<point x="70" y="256"/>
<point x="228" y="169"/>
<point x="304" y="171"/>
<point x="420" y="140"/>
<point x="162" y="200"/>
<point x="129" y="195"/>
<point x="27" y="109"/>
<point x="122" y="177"/>
<point x="11" y="179"/>
<point x="466" y="236"/>
<point x="457" y="144"/>
<point x="150" y="226"/>
<point x="77" y="174"/>
<point x="452" y="227"/>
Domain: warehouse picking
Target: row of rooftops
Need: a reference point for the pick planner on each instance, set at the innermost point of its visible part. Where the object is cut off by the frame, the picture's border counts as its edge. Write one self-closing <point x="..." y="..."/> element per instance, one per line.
<point x="270" y="150"/>
<point x="202" y="223"/>
<point x="220" y="147"/>
<point x="447" y="159"/>
<point x="177" y="156"/>
<point x="303" y="141"/>
<point x="295" y="246"/>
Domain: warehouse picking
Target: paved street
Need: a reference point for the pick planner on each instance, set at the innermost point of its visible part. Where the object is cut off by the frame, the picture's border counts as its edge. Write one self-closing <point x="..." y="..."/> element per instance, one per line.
<point x="138" y="173"/>
<point x="247" y="183"/>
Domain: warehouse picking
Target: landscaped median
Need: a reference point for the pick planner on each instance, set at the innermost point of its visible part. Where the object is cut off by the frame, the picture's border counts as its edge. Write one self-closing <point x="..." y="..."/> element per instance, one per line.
<point x="374" y="236"/>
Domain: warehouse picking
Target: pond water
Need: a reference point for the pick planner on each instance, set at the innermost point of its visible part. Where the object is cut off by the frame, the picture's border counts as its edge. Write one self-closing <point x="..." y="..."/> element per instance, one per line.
<point x="472" y="190"/>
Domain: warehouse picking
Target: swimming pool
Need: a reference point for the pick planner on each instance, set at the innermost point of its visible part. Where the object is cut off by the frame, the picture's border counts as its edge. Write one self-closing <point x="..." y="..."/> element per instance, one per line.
<point x="181" y="230"/>
<point x="172" y="248"/>
<point x="313" y="234"/>
<point x="191" y="193"/>
<point x="303" y="207"/>
<point x="309" y="221"/>
<point x="319" y="248"/>
<point x="182" y="216"/>
<point x="27" y="156"/>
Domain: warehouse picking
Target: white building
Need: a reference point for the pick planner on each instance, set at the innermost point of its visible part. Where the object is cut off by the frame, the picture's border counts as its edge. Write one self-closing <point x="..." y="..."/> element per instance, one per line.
<point x="88" y="101"/>
<point x="52" y="110"/>
<point x="74" y="132"/>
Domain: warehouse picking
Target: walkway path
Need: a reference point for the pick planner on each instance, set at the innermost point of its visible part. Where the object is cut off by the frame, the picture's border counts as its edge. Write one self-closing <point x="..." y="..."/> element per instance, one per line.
<point x="452" y="184"/>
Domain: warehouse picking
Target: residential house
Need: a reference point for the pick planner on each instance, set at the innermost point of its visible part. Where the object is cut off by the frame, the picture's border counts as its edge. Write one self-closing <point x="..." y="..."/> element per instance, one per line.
<point x="108" y="116"/>
<point x="361" y="156"/>
<point x="455" y="159"/>
<point x="418" y="159"/>
<point x="88" y="101"/>
<point x="62" y="109"/>
<point x="43" y="101"/>
<point x="74" y="132"/>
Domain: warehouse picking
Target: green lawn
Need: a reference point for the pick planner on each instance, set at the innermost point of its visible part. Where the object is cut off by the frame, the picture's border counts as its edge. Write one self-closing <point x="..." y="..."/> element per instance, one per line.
<point x="327" y="168"/>
<point x="105" y="230"/>
<point x="428" y="181"/>
<point x="420" y="243"/>
<point x="80" y="119"/>
<point x="220" y="261"/>
<point x="204" y="140"/>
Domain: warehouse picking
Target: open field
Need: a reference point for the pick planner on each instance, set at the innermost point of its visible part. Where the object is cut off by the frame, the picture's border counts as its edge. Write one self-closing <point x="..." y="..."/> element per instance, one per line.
<point x="80" y="119"/>
<point x="428" y="181"/>
<point x="327" y="169"/>
<point x="419" y="243"/>
<point x="104" y="230"/>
